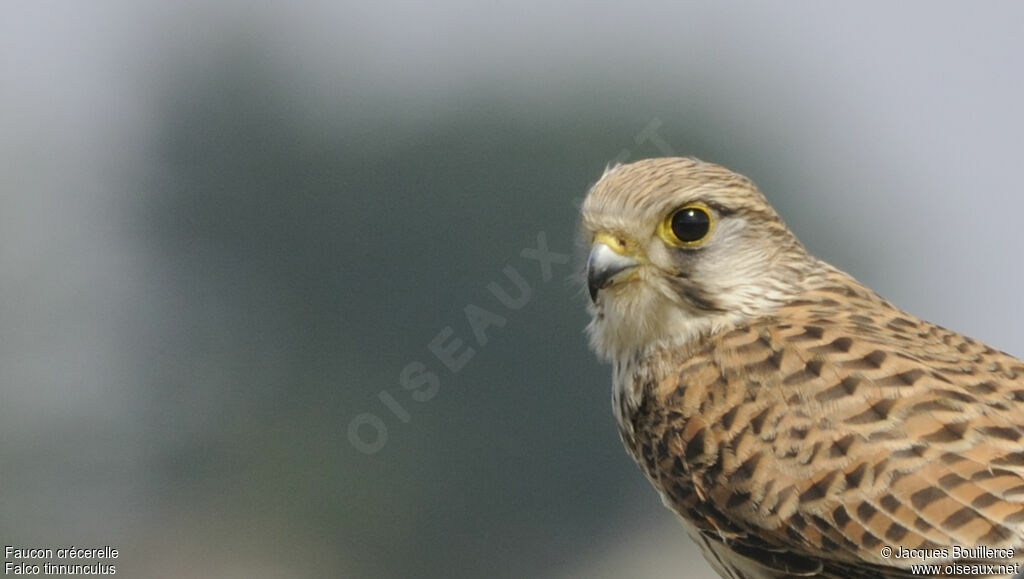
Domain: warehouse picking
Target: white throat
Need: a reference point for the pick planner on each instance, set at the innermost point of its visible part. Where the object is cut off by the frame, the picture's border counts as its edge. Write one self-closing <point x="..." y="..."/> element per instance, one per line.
<point x="631" y="321"/>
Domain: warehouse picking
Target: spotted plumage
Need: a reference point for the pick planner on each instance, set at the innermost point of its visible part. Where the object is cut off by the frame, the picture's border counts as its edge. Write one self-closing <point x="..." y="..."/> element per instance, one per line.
<point x="794" y="419"/>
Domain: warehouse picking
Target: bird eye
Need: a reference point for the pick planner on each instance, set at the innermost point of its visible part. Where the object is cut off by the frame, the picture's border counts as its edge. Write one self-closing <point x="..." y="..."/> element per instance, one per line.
<point x="688" y="226"/>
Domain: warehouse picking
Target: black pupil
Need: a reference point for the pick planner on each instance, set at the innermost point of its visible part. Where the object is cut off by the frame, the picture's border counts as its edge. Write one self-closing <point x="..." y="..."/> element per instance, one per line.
<point x="691" y="224"/>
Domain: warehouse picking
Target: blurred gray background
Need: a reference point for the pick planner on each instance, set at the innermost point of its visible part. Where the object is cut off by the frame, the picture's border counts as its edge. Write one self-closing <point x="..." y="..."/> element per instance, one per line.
<point x="227" y="227"/>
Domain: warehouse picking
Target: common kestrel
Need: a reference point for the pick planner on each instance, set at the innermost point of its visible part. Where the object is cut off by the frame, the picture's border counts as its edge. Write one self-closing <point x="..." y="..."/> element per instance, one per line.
<point x="798" y="423"/>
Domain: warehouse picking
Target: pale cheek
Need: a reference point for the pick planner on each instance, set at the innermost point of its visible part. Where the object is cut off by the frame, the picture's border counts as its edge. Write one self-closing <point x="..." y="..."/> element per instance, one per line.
<point x="658" y="252"/>
<point x="722" y="267"/>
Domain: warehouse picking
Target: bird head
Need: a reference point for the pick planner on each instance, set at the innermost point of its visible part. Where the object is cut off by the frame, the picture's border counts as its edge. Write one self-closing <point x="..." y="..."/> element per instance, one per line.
<point x="680" y="248"/>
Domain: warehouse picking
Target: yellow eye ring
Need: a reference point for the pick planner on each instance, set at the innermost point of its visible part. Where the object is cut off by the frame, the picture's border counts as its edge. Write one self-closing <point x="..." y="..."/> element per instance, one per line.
<point x="688" y="226"/>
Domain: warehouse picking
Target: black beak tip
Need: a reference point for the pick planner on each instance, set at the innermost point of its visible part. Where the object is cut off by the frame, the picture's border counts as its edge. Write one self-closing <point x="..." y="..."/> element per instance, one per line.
<point x="602" y="266"/>
<point x="597" y="279"/>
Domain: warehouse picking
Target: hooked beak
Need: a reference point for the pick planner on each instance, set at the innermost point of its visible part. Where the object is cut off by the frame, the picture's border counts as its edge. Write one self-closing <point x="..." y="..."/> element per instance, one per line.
<point x="606" y="265"/>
